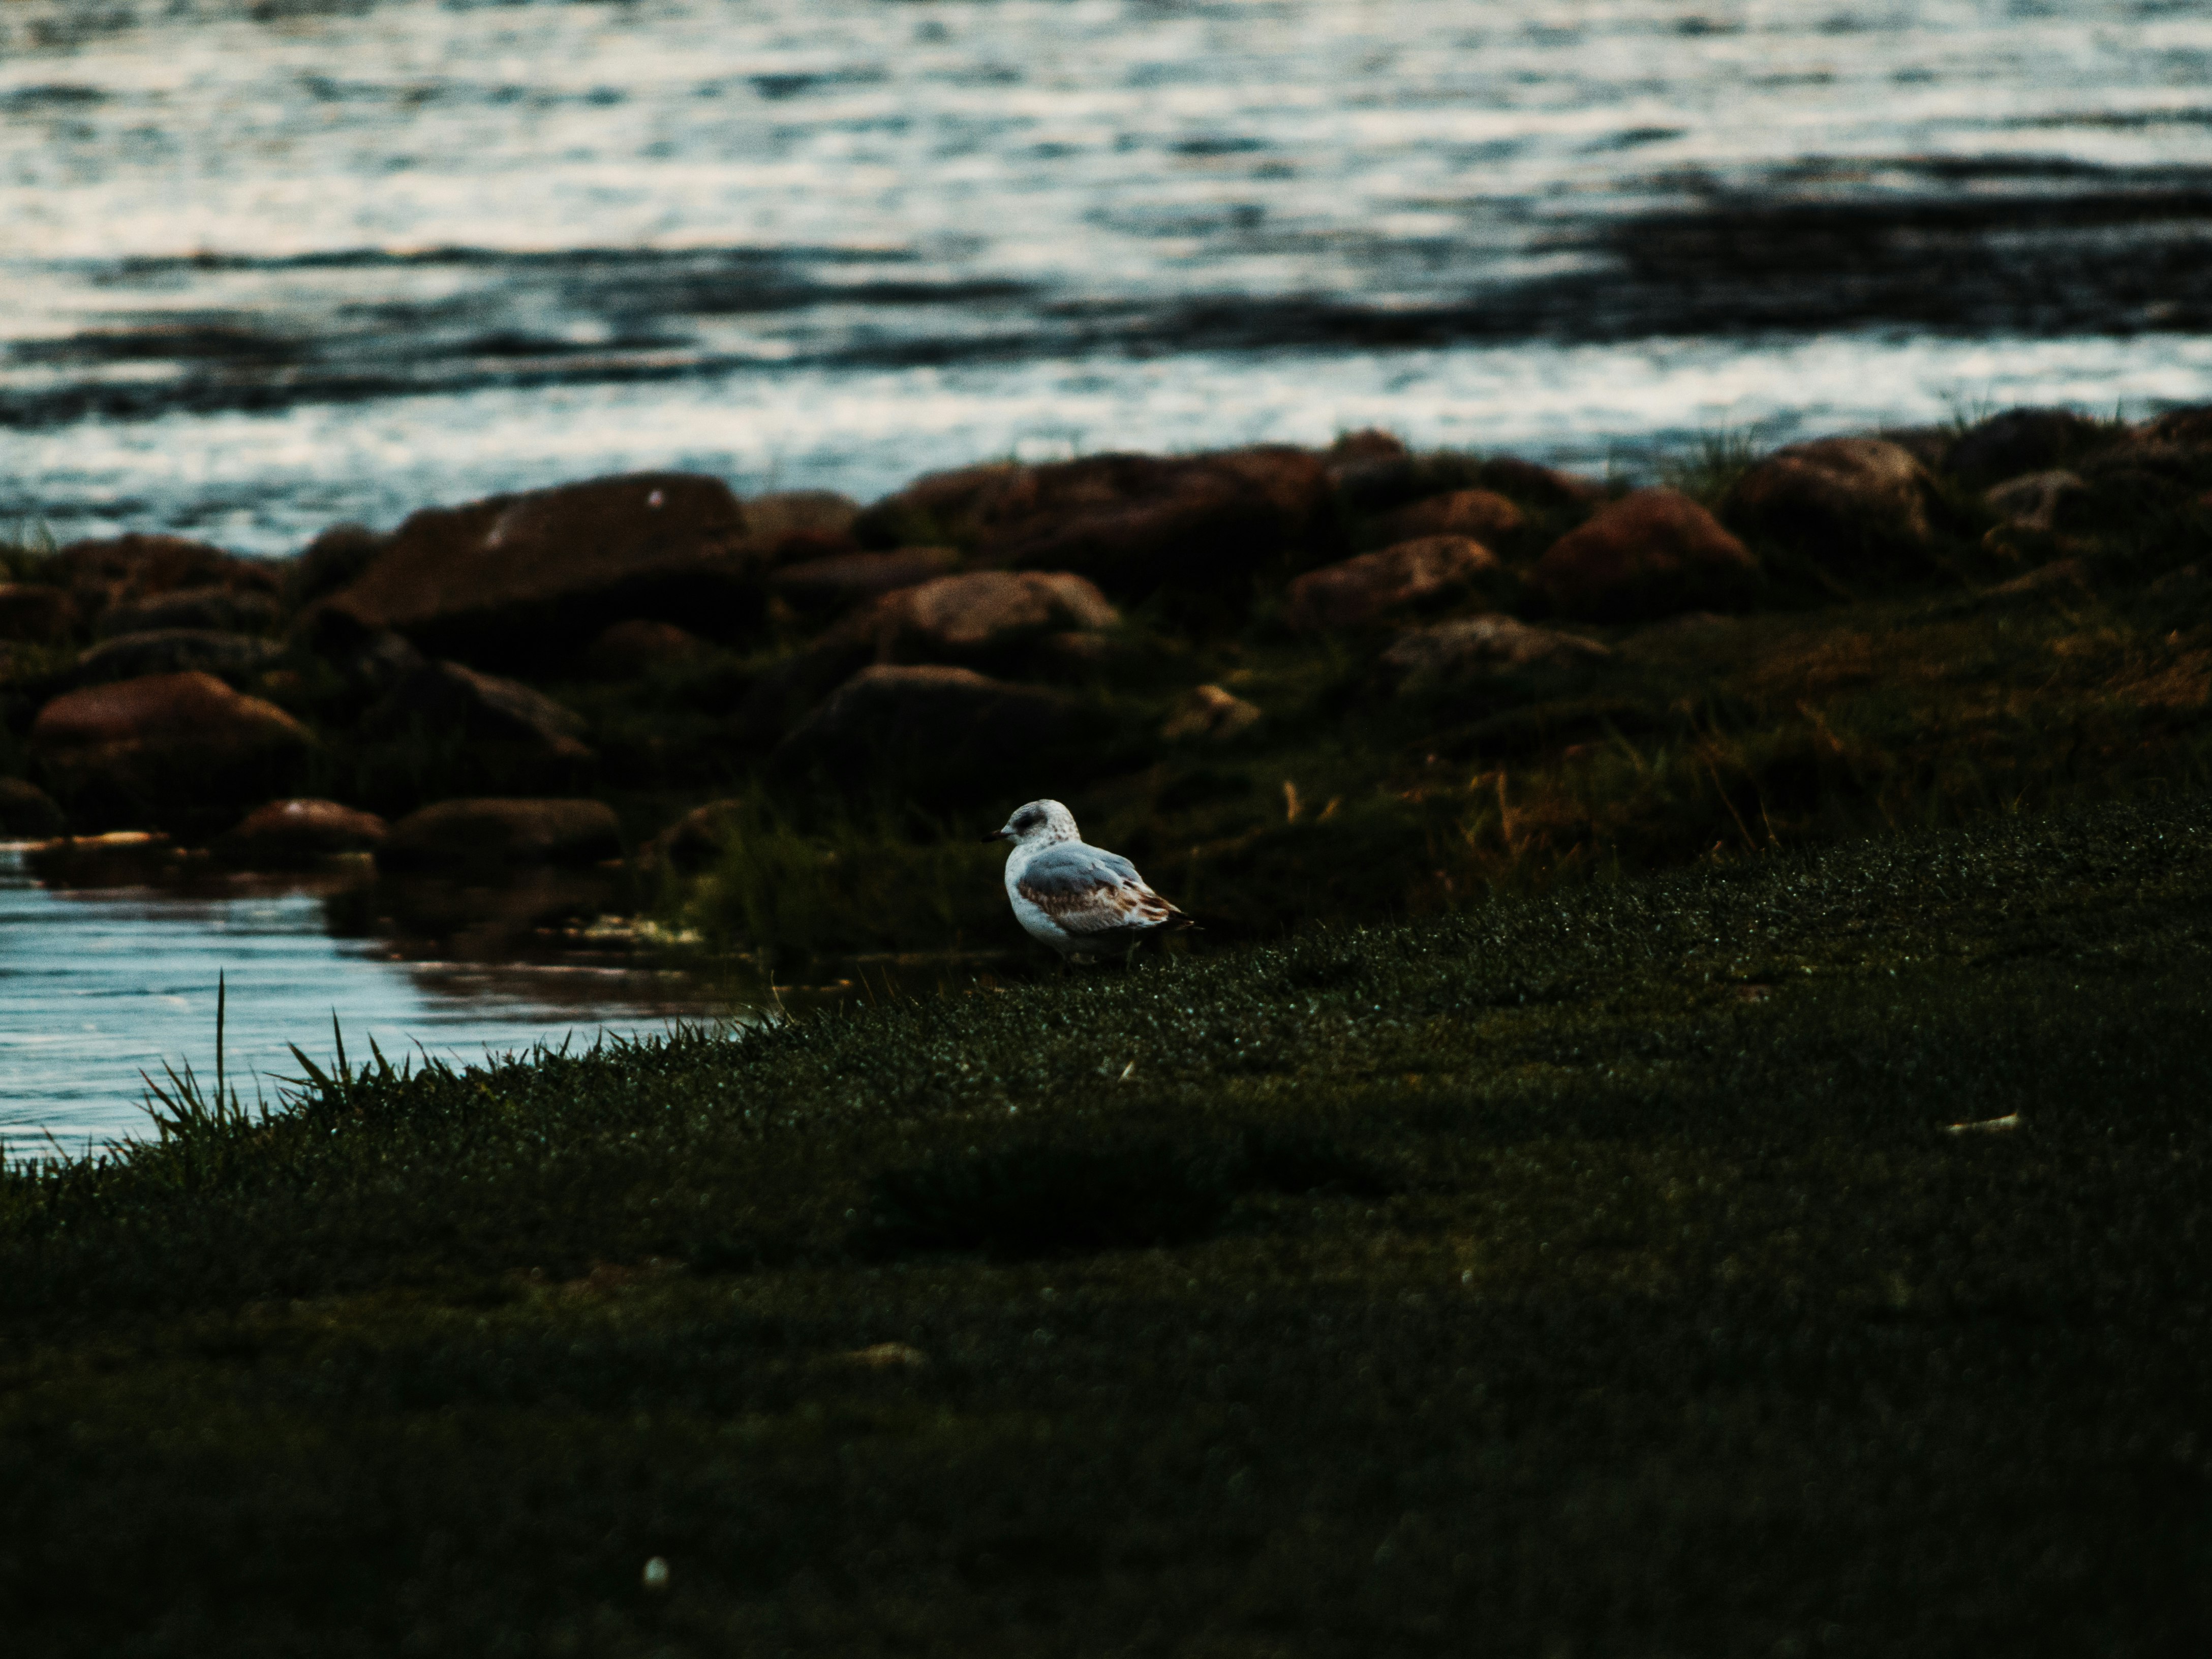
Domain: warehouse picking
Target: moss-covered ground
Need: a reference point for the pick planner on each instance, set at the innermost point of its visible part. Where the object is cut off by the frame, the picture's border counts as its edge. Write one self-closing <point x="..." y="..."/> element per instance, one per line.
<point x="1597" y="1272"/>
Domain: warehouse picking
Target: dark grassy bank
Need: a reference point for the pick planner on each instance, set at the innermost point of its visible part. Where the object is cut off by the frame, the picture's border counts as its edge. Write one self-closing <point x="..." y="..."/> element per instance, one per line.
<point x="1591" y="1273"/>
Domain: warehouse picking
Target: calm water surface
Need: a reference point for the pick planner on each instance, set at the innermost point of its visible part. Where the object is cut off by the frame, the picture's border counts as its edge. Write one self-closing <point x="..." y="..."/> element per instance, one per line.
<point x="274" y="263"/>
<point x="99" y="983"/>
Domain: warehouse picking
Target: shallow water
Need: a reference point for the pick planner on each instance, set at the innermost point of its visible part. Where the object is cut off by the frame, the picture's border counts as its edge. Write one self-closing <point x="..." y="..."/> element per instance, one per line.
<point x="101" y="983"/>
<point x="271" y="264"/>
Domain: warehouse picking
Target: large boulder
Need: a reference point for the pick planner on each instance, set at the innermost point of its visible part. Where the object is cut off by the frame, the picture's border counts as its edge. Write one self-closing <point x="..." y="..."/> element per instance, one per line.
<point x="1207" y="714"/>
<point x="1383" y="481"/>
<point x="938" y="508"/>
<point x="1481" y="515"/>
<point x="637" y="649"/>
<point x="996" y="619"/>
<point x="1540" y="485"/>
<point x="1475" y="651"/>
<point x="443" y="700"/>
<point x="119" y="569"/>
<point x="335" y="558"/>
<point x="237" y="658"/>
<point x="529" y="579"/>
<point x="976" y="615"/>
<point x="1356" y="459"/>
<point x="845" y="579"/>
<point x="34" y="614"/>
<point x="790" y="526"/>
<point x="1649" y="554"/>
<point x="282" y="834"/>
<point x="2021" y="441"/>
<point x="1847" y="502"/>
<point x="1362" y="590"/>
<point x="1134" y="524"/>
<point x="485" y="833"/>
<point x="173" y="750"/>
<point x="2157" y="467"/>
<point x="927" y="729"/>
<point x="211" y="610"/>
<point x="27" y="812"/>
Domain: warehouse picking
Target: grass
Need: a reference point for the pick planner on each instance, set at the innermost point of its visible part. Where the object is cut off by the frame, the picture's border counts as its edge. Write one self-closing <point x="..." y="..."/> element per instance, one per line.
<point x="1591" y="1271"/>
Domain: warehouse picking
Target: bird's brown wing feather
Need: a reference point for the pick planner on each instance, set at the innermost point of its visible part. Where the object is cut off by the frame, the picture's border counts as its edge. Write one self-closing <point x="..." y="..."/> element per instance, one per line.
<point x="1093" y="894"/>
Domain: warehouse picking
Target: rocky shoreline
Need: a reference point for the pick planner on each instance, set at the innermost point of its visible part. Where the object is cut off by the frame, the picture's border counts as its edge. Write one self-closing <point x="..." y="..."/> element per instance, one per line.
<point x="603" y="670"/>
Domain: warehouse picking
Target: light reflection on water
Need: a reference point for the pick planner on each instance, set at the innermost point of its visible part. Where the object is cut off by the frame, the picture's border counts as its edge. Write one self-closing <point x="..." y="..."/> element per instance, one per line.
<point x="269" y="266"/>
<point x="99" y="984"/>
<point x="268" y="482"/>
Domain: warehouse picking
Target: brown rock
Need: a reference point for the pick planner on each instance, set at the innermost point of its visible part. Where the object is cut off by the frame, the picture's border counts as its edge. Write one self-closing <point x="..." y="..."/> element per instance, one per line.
<point x="371" y="661"/>
<point x="1845" y="501"/>
<point x="633" y="649"/>
<point x="1473" y="649"/>
<point x="237" y="658"/>
<point x="1368" y="444"/>
<point x="1649" y="554"/>
<point x="36" y="615"/>
<point x="696" y="840"/>
<point x="169" y="750"/>
<point x="2187" y="429"/>
<point x="1082" y="654"/>
<point x="530" y="578"/>
<point x="2143" y="470"/>
<point x="2060" y="578"/>
<point x="1360" y="591"/>
<point x="791" y="524"/>
<point x="27" y="812"/>
<point x="887" y="1355"/>
<point x="976" y="615"/>
<point x="443" y="699"/>
<point x="284" y="833"/>
<point x="2039" y="501"/>
<point x="212" y="609"/>
<point x="1481" y="515"/>
<point x="1931" y="446"/>
<point x="1131" y="522"/>
<point x="987" y="618"/>
<point x="1546" y="486"/>
<point x="1361" y="464"/>
<point x="1690" y="625"/>
<point x="842" y="579"/>
<point x="1134" y="524"/>
<point x="929" y="729"/>
<point x="2190" y="581"/>
<point x="1208" y="713"/>
<point x="2021" y="441"/>
<point x="336" y="558"/>
<point x="936" y="508"/>
<point x="488" y="832"/>
<point x="118" y="569"/>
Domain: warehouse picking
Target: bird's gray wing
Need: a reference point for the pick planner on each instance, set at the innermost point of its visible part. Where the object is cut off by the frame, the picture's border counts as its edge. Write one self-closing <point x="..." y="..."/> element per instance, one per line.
<point x="1088" y="891"/>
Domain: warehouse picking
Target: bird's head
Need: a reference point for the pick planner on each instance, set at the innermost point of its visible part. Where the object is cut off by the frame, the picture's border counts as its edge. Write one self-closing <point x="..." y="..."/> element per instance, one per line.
<point x="1040" y="820"/>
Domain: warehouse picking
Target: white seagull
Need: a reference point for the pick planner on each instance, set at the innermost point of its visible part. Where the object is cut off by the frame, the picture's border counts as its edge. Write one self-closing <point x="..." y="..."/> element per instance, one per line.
<point x="1083" y="900"/>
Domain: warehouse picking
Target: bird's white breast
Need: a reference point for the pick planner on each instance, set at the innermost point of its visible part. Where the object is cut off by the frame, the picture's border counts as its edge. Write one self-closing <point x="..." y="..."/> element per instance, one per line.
<point x="1035" y="921"/>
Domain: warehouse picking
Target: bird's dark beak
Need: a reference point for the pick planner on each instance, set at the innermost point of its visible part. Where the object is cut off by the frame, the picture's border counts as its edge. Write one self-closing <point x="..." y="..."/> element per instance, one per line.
<point x="997" y="834"/>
